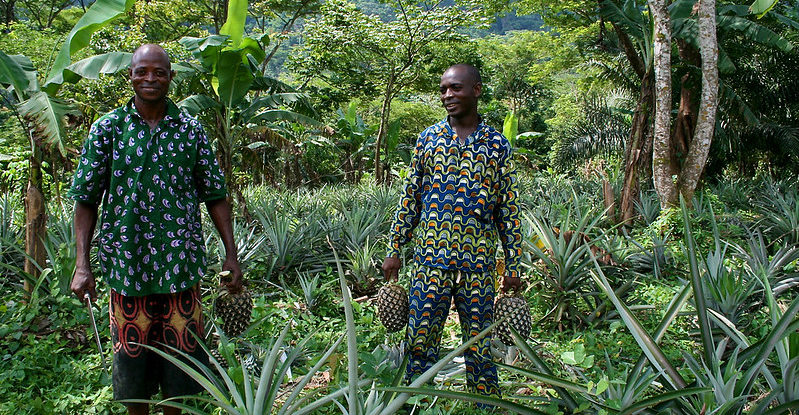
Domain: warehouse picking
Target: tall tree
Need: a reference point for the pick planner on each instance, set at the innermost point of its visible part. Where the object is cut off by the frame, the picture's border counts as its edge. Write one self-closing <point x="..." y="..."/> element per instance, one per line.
<point x="688" y="177"/>
<point x="43" y="12"/>
<point x="363" y="51"/>
<point x="661" y="154"/>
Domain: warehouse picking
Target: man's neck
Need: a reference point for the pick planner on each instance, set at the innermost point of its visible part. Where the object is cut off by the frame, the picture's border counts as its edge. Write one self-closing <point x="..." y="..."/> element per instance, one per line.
<point x="151" y="113"/>
<point x="464" y="126"/>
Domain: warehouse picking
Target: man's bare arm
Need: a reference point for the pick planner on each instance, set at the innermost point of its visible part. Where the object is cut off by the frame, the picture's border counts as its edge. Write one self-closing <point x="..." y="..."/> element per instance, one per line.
<point x="219" y="210"/>
<point x="85" y="220"/>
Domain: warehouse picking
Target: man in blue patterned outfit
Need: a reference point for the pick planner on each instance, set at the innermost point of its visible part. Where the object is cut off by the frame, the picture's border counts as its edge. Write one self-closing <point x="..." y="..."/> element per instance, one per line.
<point x="150" y="165"/>
<point x="460" y="197"/>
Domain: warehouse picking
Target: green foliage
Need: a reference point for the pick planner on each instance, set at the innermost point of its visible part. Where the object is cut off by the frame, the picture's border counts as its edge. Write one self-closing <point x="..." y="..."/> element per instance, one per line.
<point x="101" y="13"/>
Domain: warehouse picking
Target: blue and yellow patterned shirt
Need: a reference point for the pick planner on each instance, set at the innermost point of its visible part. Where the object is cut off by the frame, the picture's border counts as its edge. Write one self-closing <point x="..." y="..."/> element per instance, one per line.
<point x="151" y="184"/>
<point x="462" y="198"/>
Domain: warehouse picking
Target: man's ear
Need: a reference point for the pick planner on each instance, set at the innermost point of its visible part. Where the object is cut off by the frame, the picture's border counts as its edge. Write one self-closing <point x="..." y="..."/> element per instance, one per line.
<point x="478" y="89"/>
<point x="171" y="75"/>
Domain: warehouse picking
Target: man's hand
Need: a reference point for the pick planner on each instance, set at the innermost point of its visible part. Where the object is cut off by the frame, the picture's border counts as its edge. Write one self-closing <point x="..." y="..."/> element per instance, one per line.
<point x="83" y="282"/>
<point x="511" y="284"/>
<point x="391" y="266"/>
<point x="235" y="284"/>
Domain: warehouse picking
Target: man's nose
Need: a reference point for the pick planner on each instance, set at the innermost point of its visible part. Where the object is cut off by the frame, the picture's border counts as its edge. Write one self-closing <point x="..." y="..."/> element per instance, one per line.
<point x="447" y="93"/>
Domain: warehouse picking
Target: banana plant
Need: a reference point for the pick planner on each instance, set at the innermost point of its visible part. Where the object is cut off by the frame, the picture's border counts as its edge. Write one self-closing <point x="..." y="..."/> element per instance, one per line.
<point x="41" y="113"/>
<point x="237" y="97"/>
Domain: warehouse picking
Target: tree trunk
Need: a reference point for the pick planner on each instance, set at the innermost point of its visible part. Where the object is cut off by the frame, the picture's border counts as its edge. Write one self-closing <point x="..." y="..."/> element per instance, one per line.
<point x="662" y="169"/>
<point x="35" y="219"/>
<point x="637" y="149"/>
<point x="699" y="147"/>
<point x="8" y="13"/>
<point x="385" y="111"/>
<point x="610" y="201"/>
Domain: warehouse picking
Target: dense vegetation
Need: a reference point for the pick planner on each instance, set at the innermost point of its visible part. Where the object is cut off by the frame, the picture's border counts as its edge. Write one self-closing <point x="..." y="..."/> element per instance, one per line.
<point x="642" y="304"/>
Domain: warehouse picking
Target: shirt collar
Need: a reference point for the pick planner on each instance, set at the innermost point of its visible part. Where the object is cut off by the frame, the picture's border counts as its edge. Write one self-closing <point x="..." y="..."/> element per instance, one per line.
<point x="479" y="133"/>
<point x="172" y="110"/>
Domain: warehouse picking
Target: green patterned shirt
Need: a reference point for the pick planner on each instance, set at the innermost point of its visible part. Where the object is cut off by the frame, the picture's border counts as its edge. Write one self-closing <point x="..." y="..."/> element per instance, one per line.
<point x="151" y="185"/>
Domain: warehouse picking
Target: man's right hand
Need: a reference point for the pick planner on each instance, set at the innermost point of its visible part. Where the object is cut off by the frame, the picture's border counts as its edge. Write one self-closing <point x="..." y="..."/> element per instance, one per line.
<point x="83" y="282"/>
<point x="391" y="266"/>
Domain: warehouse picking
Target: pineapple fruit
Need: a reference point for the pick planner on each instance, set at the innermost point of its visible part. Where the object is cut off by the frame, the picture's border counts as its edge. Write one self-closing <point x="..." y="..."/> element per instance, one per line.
<point x="516" y="313"/>
<point x="235" y="310"/>
<point x="392" y="307"/>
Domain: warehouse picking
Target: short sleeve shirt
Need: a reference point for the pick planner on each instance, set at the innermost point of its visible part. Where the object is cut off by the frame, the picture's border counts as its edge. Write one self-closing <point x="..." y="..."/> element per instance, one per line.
<point x="151" y="185"/>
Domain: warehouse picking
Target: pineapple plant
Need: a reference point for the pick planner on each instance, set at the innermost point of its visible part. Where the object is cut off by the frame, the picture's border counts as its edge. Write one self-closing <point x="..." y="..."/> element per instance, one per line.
<point x="515" y="312"/>
<point x="235" y="309"/>
<point x="392" y="307"/>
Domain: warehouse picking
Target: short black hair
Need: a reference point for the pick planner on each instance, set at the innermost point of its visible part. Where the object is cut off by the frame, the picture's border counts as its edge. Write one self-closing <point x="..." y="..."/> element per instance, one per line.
<point x="473" y="72"/>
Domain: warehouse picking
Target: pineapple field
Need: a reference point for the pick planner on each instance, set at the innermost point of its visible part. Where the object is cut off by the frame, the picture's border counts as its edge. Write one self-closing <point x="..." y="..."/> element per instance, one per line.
<point x="615" y="311"/>
<point x="657" y="150"/>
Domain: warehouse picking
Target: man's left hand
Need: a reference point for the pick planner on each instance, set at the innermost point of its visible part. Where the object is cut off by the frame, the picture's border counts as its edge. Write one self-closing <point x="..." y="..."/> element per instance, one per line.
<point x="513" y="284"/>
<point x="235" y="284"/>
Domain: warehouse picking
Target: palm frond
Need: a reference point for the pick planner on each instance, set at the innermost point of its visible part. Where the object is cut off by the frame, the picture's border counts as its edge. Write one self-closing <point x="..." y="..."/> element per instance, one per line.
<point x="602" y="130"/>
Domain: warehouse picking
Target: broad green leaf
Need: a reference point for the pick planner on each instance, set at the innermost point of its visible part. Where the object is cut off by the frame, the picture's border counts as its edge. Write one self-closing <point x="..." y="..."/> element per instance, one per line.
<point x="392" y="135"/>
<point x="46" y="114"/>
<point x="197" y="104"/>
<point x="253" y="48"/>
<point x="14" y="74"/>
<point x="271" y="85"/>
<point x="205" y="49"/>
<point x="234" y="24"/>
<point x="351" y="114"/>
<point x="234" y="77"/>
<point x="92" y="67"/>
<point x="761" y="7"/>
<point x="602" y="385"/>
<point x="754" y="32"/>
<point x="283" y="115"/>
<point x="272" y="101"/>
<point x="511" y="128"/>
<point x="96" y="17"/>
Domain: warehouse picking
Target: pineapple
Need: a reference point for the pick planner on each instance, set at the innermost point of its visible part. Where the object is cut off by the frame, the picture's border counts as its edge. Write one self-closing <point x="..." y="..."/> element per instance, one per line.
<point x="235" y="310"/>
<point x="213" y="348"/>
<point x="516" y="313"/>
<point x="392" y="307"/>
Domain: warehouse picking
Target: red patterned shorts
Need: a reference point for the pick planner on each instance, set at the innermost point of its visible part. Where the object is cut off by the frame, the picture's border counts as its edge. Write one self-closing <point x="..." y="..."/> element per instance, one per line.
<point x="155" y="320"/>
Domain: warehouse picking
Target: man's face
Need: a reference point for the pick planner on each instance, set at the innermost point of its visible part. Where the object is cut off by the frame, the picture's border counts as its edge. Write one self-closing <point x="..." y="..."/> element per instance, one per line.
<point x="150" y="75"/>
<point x="459" y="92"/>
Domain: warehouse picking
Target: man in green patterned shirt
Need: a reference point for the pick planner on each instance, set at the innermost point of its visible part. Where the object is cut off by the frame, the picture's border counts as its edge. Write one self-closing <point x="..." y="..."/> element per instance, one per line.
<point x="150" y="165"/>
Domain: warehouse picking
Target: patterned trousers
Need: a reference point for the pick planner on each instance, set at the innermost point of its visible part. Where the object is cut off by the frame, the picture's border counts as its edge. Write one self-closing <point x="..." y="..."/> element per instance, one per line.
<point x="432" y="291"/>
